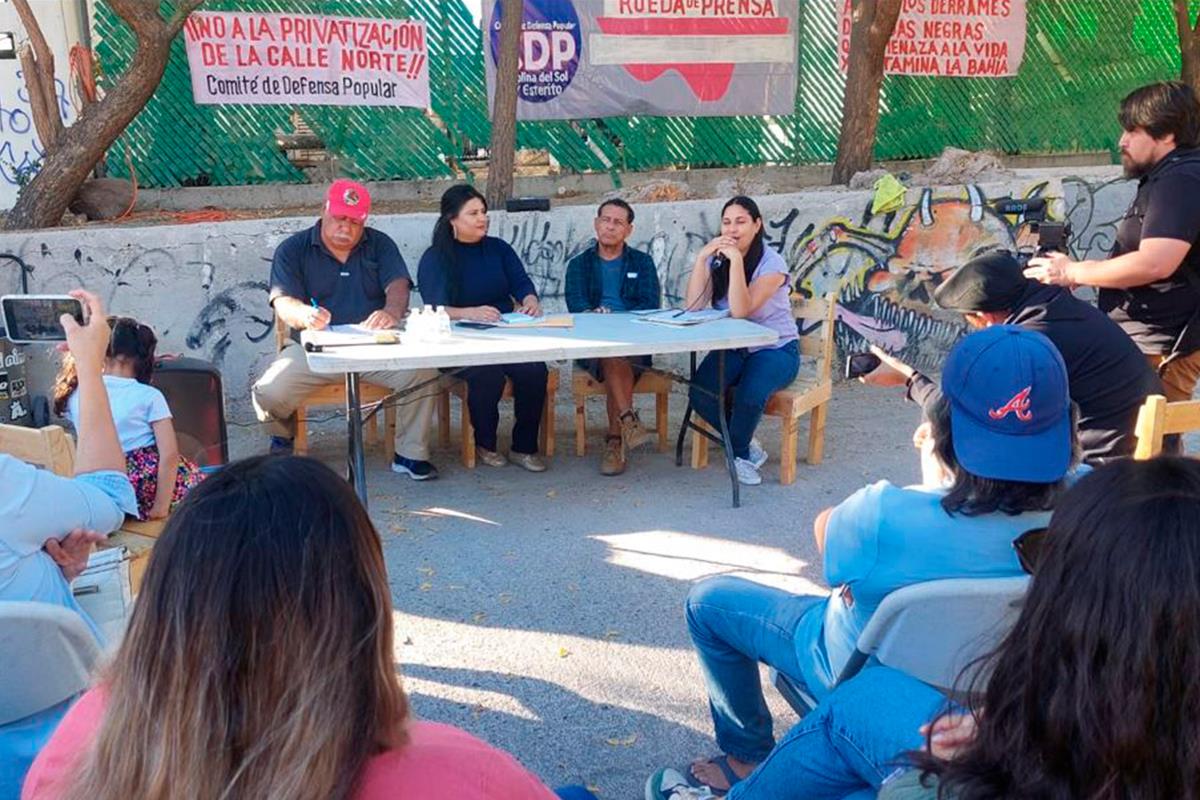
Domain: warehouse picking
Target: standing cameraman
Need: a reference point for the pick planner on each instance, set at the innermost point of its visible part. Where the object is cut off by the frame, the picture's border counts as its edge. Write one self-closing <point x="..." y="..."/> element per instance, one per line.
<point x="1150" y="286"/>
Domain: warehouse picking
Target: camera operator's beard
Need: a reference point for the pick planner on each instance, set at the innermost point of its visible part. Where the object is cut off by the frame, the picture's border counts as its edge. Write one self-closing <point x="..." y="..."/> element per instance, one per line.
<point x="1134" y="169"/>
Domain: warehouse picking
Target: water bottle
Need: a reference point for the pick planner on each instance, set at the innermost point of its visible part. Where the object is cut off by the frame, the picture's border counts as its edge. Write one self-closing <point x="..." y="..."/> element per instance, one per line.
<point x="443" y="318"/>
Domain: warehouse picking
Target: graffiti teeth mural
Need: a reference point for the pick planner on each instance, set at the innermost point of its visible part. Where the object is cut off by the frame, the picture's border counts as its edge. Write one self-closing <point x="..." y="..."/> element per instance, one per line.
<point x="886" y="267"/>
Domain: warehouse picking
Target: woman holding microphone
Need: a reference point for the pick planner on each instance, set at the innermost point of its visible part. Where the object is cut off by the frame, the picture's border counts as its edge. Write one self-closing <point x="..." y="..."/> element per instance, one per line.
<point x="737" y="272"/>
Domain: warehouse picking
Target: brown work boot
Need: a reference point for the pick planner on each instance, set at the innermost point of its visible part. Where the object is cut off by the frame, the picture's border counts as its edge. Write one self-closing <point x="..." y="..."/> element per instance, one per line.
<point x="613" y="462"/>
<point x="632" y="432"/>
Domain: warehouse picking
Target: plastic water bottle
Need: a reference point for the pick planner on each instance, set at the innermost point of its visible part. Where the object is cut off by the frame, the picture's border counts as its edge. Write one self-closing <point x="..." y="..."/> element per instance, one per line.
<point x="443" y="320"/>
<point x="415" y="325"/>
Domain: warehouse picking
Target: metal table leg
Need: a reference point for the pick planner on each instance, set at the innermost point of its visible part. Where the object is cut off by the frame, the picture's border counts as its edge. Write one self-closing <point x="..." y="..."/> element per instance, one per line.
<point x="356" y="469"/>
<point x="687" y="418"/>
<point x="737" y="500"/>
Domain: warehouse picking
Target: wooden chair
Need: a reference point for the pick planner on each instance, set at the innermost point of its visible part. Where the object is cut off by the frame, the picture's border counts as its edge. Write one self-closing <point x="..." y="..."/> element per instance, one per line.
<point x="51" y="448"/>
<point x="458" y="388"/>
<point x="1157" y="419"/>
<point x="583" y="386"/>
<point x="810" y="392"/>
<point x="334" y="394"/>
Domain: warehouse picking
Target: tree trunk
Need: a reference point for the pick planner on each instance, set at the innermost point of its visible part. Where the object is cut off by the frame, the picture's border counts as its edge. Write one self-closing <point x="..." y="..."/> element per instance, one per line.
<point x="43" y="200"/>
<point x="501" y="151"/>
<point x="872" y="23"/>
<point x="1189" y="45"/>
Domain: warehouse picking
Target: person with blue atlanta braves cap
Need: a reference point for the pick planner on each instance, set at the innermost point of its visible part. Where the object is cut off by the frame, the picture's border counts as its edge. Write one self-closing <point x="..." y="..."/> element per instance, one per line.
<point x="1002" y="436"/>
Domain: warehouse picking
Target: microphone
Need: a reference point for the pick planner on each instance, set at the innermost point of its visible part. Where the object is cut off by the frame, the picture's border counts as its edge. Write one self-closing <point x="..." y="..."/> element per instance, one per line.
<point x="718" y="261"/>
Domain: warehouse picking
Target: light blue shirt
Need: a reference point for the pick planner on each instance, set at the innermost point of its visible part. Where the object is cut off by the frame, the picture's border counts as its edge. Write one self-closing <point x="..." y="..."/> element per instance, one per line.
<point x="36" y="505"/>
<point x="884" y="537"/>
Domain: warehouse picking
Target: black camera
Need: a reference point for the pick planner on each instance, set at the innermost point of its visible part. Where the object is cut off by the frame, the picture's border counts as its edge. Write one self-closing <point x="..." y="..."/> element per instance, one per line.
<point x="1049" y="236"/>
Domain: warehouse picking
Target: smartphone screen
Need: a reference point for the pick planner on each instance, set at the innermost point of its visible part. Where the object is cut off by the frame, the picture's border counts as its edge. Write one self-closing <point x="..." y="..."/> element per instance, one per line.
<point x="859" y="364"/>
<point x="34" y="318"/>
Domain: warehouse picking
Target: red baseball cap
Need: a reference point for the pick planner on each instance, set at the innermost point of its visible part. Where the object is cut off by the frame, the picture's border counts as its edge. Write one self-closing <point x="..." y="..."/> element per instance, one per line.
<point x="348" y="198"/>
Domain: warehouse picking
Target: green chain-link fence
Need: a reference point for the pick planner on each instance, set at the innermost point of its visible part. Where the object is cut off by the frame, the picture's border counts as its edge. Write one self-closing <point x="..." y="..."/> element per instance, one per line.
<point x="1081" y="57"/>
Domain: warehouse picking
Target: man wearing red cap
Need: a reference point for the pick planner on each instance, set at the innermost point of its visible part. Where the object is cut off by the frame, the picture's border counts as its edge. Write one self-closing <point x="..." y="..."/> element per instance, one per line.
<point x="341" y="272"/>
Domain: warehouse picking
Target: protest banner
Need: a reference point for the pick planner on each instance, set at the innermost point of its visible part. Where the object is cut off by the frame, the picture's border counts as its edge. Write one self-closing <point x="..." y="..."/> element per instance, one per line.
<point x="603" y="58"/>
<point x="305" y="59"/>
<point x="955" y="38"/>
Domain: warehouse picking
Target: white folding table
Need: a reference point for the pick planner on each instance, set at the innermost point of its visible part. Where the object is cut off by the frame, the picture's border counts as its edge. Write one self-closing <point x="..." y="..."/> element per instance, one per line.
<point x="593" y="336"/>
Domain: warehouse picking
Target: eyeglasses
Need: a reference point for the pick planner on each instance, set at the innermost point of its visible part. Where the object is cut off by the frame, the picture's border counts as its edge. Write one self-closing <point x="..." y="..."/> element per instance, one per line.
<point x="1030" y="546"/>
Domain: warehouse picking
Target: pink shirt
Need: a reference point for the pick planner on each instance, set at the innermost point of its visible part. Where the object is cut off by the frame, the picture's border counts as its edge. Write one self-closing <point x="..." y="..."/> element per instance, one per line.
<point x="440" y="762"/>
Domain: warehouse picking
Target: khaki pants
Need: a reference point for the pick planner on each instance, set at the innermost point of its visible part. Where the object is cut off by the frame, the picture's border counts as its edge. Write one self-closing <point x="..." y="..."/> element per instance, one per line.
<point x="1180" y="376"/>
<point x="288" y="380"/>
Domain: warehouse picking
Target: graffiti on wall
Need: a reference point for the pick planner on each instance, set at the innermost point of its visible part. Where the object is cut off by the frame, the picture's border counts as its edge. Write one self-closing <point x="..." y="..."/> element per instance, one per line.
<point x="20" y="150"/>
<point x="885" y="268"/>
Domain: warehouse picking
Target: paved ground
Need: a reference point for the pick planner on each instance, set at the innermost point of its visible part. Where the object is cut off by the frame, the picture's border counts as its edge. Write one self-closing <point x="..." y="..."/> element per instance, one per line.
<point x="543" y="613"/>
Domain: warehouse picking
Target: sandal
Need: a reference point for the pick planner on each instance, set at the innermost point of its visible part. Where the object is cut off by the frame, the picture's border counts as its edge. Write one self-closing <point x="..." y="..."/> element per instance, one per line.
<point x="721" y="762"/>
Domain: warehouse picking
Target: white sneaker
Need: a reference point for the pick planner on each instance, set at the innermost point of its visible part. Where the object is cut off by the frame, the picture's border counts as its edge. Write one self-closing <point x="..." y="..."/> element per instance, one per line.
<point x="747" y="473"/>
<point x="758" y="456"/>
<point x="669" y="784"/>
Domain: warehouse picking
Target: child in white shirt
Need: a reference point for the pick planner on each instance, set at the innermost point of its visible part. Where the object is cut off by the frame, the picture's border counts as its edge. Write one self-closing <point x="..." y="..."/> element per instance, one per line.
<point x="159" y="474"/>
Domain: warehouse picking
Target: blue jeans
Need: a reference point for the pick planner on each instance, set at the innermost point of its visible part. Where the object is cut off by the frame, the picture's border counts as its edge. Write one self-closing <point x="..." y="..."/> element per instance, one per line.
<point x="734" y="624"/>
<point x="849" y="743"/>
<point x="574" y="793"/>
<point x="753" y="378"/>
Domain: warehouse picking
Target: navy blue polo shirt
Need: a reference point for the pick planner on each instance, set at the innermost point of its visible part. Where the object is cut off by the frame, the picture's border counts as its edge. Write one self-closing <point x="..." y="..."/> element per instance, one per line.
<point x="304" y="269"/>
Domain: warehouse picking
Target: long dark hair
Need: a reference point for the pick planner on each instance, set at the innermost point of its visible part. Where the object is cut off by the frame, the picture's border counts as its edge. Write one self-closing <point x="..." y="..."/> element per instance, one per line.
<point x="1094" y="692"/>
<point x="130" y="340"/>
<point x="259" y="659"/>
<point x="972" y="495"/>
<point x="720" y="276"/>
<point x="453" y="200"/>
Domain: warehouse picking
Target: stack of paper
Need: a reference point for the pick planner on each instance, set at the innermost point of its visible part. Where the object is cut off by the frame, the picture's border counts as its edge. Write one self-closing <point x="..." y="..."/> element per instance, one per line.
<point x="681" y="318"/>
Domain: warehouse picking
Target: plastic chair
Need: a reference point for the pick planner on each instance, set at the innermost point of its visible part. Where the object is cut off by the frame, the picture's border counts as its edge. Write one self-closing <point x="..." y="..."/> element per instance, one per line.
<point x="931" y="631"/>
<point x="49" y="653"/>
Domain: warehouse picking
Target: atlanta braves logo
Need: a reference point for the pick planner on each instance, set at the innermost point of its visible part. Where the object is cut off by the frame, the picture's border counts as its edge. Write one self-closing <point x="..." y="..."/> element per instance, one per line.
<point x="1019" y="405"/>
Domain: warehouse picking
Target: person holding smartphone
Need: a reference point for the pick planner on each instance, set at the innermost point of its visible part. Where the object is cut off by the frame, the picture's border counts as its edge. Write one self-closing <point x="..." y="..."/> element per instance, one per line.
<point x="50" y="523"/>
<point x="737" y="272"/>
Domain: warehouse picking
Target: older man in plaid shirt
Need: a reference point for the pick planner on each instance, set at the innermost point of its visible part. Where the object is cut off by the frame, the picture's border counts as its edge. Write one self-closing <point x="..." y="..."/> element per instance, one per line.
<point x="610" y="276"/>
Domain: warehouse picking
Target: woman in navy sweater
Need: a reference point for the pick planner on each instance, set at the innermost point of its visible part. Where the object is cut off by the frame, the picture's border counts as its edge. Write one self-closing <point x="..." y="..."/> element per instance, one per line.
<point x="478" y="277"/>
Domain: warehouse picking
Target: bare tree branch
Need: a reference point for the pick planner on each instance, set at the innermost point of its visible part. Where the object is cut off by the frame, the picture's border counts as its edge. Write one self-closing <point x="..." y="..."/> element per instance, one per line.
<point x="175" y="25"/>
<point x="141" y="16"/>
<point x="38" y="70"/>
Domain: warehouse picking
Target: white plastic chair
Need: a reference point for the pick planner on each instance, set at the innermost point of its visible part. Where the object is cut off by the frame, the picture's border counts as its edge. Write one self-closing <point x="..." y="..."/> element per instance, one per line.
<point x="48" y="653"/>
<point x="931" y="631"/>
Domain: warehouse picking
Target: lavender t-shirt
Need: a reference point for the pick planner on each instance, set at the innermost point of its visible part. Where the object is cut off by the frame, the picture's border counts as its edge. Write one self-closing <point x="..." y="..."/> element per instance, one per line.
<point x="776" y="313"/>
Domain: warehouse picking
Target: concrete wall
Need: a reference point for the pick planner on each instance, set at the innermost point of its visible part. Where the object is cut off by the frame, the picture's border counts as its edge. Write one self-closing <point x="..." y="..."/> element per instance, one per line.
<point x="203" y="287"/>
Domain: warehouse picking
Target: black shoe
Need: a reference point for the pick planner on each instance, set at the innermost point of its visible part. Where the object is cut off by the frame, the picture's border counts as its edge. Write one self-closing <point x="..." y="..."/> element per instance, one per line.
<point x="282" y="446"/>
<point x="417" y="470"/>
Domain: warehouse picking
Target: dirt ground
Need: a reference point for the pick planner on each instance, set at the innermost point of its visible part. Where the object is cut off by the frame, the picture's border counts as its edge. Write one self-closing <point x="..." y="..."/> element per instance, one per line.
<point x="544" y="613"/>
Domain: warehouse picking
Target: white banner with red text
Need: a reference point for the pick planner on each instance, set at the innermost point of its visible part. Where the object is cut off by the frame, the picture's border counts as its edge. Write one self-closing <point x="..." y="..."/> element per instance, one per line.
<point x="950" y="38"/>
<point x="306" y="59"/>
